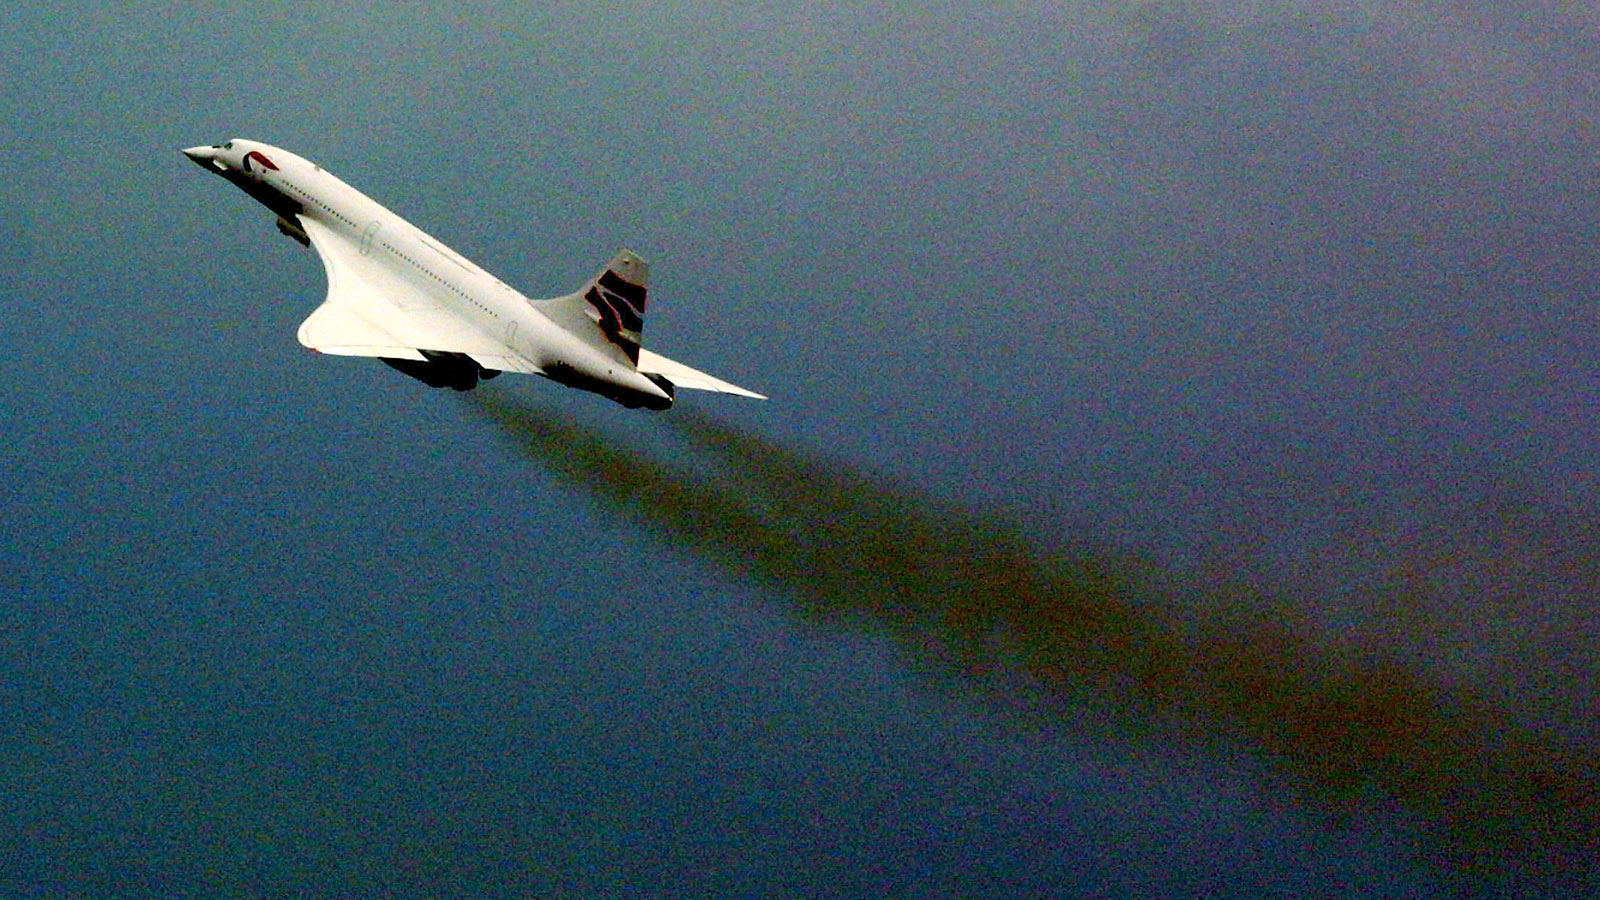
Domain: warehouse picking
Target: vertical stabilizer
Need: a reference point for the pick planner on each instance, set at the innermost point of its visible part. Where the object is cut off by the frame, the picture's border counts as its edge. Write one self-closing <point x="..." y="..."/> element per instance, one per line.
<point x="614" y="302"/>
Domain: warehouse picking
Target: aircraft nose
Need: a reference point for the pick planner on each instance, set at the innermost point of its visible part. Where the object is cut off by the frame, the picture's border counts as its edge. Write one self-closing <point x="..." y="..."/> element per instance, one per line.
<point x="202" y="156"/>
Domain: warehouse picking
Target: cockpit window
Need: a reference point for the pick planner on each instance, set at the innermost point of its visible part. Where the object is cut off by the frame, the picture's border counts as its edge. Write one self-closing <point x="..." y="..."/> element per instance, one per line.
<point x="228" y="146"/>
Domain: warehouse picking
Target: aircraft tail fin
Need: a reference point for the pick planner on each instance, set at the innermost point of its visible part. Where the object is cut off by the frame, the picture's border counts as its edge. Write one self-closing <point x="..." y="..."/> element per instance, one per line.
<point x="609" y="310"/>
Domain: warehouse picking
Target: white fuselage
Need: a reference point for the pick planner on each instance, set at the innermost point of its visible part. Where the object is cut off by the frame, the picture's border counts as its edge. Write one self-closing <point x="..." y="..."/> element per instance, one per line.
<point x="295" y="187"/>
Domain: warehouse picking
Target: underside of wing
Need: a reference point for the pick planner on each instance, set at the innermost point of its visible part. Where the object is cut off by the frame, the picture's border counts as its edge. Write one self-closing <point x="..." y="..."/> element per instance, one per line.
<point x="373" y="310"/>
<point x="685" y="377"/>
<point x="340" y="329"/>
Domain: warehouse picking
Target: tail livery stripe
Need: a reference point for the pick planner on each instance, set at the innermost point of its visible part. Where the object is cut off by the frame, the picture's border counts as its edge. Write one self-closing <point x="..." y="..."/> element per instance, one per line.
<point x="619" y="309"/>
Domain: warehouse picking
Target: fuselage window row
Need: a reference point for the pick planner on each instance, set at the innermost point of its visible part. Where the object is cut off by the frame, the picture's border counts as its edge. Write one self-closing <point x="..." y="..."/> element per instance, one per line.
<point x="436" y="277"/>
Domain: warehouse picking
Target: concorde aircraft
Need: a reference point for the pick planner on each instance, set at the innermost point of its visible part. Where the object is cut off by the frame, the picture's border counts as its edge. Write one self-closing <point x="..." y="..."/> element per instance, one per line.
<point x="399" y="295"/>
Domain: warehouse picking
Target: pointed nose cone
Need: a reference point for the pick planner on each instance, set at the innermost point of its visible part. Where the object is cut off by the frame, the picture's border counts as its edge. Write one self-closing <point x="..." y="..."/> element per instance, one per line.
<point x="202" y="156"/>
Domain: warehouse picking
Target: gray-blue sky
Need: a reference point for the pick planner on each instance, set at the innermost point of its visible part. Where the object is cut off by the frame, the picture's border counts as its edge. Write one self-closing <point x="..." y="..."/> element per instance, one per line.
<point x="1298" y="291"/>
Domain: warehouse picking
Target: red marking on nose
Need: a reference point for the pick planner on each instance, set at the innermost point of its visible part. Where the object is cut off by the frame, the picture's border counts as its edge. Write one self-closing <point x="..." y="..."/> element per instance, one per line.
<point x="259" y="157"/>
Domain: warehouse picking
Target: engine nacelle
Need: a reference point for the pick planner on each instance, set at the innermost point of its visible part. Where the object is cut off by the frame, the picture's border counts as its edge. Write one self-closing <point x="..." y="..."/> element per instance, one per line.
<point x="457" y="371"/>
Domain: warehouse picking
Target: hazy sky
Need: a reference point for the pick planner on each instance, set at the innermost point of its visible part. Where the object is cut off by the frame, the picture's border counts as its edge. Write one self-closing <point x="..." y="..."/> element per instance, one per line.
<point x="1296" y="293"/>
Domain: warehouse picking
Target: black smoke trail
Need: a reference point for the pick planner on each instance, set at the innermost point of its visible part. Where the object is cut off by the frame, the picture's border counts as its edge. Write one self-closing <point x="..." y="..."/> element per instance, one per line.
<point x="972" y="593"/>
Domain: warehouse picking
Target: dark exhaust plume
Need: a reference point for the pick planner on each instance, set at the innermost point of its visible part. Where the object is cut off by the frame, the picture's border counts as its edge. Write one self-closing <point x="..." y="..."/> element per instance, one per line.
<point x="974" y="596"/>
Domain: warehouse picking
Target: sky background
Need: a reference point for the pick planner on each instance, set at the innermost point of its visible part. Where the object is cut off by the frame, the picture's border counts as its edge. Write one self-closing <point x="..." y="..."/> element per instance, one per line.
<point x="1286" y="309"/>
